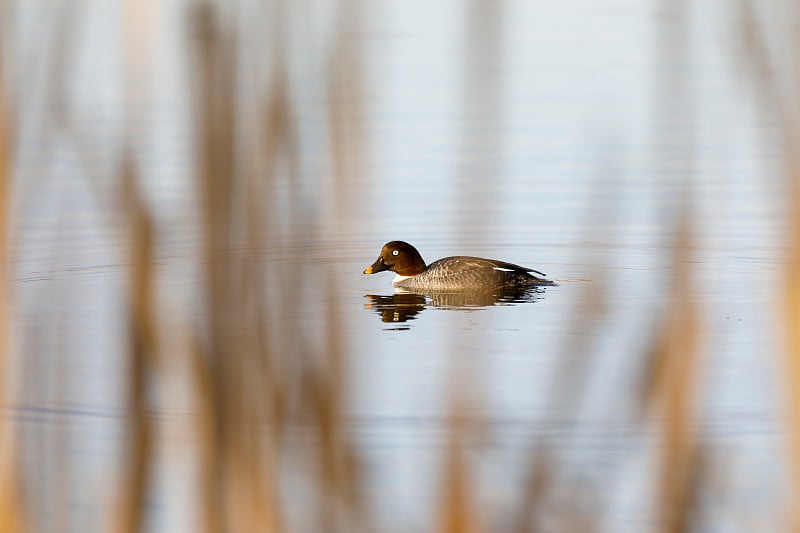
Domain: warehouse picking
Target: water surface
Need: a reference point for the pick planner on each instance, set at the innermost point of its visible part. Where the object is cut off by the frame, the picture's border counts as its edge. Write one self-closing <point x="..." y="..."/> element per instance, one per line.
<point x="588" y="170"/>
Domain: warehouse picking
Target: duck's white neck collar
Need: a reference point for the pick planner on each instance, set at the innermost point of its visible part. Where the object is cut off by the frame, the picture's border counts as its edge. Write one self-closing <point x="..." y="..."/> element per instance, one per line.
<point x="398" y="278"/>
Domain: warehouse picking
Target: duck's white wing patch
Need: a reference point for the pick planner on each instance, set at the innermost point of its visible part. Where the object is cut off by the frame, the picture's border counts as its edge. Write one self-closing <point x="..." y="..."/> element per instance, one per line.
<point x="533" y="273"/>
<point x="501" y="269"/>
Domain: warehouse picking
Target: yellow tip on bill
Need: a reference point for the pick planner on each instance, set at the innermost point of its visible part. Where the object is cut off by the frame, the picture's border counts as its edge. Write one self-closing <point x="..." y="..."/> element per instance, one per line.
<point x="368" y="270"/>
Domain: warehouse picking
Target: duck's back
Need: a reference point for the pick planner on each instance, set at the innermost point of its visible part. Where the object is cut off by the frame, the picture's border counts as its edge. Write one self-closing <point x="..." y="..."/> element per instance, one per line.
<point x="464" y="272"/>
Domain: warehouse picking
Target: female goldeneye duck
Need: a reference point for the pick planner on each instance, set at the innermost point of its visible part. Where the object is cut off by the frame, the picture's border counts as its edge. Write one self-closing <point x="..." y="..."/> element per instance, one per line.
<point x="451" y="273"/>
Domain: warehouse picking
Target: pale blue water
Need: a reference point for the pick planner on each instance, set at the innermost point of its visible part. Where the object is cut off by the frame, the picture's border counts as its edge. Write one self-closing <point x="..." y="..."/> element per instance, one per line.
<point x="587" y="170"/>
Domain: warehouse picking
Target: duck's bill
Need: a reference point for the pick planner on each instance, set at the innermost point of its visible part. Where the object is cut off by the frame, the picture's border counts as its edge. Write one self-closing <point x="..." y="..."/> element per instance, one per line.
<point x="377" y="266"/>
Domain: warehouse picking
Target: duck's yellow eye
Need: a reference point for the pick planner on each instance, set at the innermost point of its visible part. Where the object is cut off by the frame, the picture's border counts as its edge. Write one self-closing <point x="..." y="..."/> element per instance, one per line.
<point x="395" y="252"/>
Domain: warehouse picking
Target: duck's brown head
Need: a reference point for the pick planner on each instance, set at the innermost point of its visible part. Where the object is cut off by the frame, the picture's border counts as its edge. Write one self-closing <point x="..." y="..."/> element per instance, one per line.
<point x="399" y="257"/>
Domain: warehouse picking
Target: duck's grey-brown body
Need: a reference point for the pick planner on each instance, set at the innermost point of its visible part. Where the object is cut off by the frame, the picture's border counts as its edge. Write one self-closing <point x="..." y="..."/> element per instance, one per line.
<point x="451" y="273"/>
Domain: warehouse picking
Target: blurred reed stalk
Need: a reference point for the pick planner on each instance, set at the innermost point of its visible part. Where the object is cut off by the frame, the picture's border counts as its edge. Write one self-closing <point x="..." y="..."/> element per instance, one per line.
<point x="246" y="391"/>
<point x="776" y="81"/>
<point x="461" y="511"/>
<point x="138" y="52"/>
<point x="540" y="502"/>
<point x="243" y="373"/>
<point x="12" y="512"/>
<point x="142" y="352"/>
<point x="342" y="491"/>
<point x="670" y="389"/>
<point x="791" y="319"/>
<point x="670" y="383"/>
<point x="479" y="169"/>
<point x="238" y="478"/>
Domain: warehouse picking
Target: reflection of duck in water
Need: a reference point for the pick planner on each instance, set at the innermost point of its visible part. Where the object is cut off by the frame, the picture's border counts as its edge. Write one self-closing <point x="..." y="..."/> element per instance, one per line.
<point x="399" y="307"/>
<point x="403" y="306"/>
<point x="451" y="273"/>
<point x="484" y="298"/>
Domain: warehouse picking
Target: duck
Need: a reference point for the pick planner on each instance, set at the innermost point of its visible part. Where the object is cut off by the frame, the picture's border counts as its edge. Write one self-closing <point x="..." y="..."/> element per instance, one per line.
<point x="457" y="273"/>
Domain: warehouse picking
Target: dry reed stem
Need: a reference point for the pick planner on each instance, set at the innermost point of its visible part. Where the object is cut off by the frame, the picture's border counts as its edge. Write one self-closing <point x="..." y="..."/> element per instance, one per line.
<point x="779" y="101"/>
<point x="344" y="508"/>
<point x="791" y="326"/>
<point x="239" y="467"/>
<point x="142" y="353"/>
<point x="670" y="389"/>
<point x="573" y="371"/>
<point x="214" y="135"/>
<point x="460" y="509"/>
<point x="206" y="430"/>
<point x="12" y="513"/>
<point x="138" y="41"/>
<point x="266" y="398"/>
<point x="275" y="142"/>
<point x="539" y="479"/>
<point x="478" y="172"/>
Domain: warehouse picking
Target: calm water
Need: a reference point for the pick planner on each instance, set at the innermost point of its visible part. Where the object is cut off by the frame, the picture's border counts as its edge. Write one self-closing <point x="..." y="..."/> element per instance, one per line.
<point x="588" y="163"/>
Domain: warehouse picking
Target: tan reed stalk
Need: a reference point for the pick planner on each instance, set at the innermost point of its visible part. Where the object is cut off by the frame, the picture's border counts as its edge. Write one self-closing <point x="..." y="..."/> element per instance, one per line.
<point x="670" y="388"/>
<point x="142" y="355"/>
<point x="340" y="492"/>
<point x="138" y="41"/>
<point x="791" y="327"/>
<point x="572" y="373"/>
<point x="481" y="109"/>
<point x="213" y="123"/>
<point x="257" y="461"/>
<point x="12" y="511"/>
<point x="239" y="462"/>
<point x="460" y="510"/>
<point x="778" y="95"/>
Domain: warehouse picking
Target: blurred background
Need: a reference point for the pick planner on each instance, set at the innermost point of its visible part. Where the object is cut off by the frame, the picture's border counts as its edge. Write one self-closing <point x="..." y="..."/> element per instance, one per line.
<point x="190" y="191"/>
